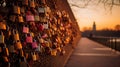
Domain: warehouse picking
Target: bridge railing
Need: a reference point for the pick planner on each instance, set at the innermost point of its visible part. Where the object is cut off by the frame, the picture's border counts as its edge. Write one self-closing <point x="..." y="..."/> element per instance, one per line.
<point x="112" y="42"/>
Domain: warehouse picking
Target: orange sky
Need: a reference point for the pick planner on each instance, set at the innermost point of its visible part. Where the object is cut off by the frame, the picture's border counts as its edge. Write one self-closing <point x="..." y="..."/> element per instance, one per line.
<point x="103" y="18"/>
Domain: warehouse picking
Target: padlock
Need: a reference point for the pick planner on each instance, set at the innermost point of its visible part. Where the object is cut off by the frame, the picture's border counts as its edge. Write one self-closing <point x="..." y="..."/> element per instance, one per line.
<point x="2" y="26"/>
<point x="41" y="10"/>
<point x="34" y="44"/>
<point x="22" y="10"/>
<point x="47" y="9"/>
<point x="5" y="51"/>
<point x="34" y="57"/>
<point x="18" y="45"/>
<point x="59" y="49"/>
<point x="59" y="15"/>
<point x="41" y="40"/>
<point x="23" y="62"/>
<point x="16" y="9"/>
<point x="37" y="18"/>
<point x="32" y="3"/>
<point x="2" y="38"/>
<point x="40" y="27"/>
<point x="30" y="18"/>
<point x="25" y="2"/>
<point x="0" y="49"/>
<point x="32" y="34"/>
<point x="12" y="18"/>
<point x="26" y="55"/>
<point x="54" y="46"/>
<point x="29" y="38"/>
<point x="42" y="2"/>
<point x="11" y="48"/>
<point x="44" y="36"/>
<point x="53" y="52"/>
<point x="47" y="44"/>
<point x="20" y="18"/>
<point x="46" y="25"/>
<point x="43" y="19"/>
<point x="16" y="35"/>
<point x="5" y="59"/>
<point x="38" y="49"/>
<point x="21" y="53"/>
<point x="25" y="29"/>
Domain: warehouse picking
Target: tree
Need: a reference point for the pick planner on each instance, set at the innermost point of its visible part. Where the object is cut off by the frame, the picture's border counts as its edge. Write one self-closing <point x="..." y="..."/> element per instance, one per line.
<point x="117" y="27"/>
<point x="87" y="28"/>
<point x="106" y="3"/>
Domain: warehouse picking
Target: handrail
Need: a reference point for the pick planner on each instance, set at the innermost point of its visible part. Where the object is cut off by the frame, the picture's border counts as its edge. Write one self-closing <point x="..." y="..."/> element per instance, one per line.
<point x="112" y="42"/>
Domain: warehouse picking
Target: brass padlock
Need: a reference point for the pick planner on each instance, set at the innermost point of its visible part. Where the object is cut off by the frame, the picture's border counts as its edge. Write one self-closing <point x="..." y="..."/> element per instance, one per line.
<point x="37" y="18"/>
<point x="25" y="2"/>
<point x="20" y="18"/>
<point x="18" y="45"/>
<point x="16" y="35"/>
<point x="2" y="38"/>
<point x="0" y="49"/>
<point x="21" y="53"/>
<point x="34" y="57"/>
<point x="16" y="9"/>
<point x="6" y="51"/>
<point x="12" y="18"/>
<point x="2" y="26"/>
<point x="11" y="49"/>
<point x="5" y="59"/>
<point x="32" y="3"/>
<point x="54" y="52"/>
<point x="22" y="10"/>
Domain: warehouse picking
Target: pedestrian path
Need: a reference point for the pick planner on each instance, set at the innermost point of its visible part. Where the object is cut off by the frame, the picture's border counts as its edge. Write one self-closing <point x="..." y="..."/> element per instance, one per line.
<point x="92" y="54"/>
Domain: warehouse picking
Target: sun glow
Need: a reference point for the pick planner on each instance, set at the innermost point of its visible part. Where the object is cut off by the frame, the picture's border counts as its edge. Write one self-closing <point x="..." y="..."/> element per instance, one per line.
<point x="103" y="18"/>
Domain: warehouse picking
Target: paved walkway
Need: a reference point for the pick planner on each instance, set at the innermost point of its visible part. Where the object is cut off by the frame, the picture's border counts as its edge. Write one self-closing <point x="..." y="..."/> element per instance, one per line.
<point x="91" y="54"/>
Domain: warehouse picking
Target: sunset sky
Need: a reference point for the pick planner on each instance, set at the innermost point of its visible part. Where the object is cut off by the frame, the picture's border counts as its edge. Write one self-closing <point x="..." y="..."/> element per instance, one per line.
<point x="104" y="18"/>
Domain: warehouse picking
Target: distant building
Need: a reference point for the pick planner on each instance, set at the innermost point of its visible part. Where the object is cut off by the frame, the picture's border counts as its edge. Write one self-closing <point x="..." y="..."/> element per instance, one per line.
<point x="94" y="28"/>
<point x="90" y="33"/>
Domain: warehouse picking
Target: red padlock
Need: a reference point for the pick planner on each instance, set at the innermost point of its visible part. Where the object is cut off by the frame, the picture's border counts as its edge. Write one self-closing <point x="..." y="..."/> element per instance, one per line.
<point x="29" y="38"/>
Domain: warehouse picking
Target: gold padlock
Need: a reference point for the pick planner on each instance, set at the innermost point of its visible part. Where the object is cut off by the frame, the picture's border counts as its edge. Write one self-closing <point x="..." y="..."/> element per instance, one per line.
<point x="6" y="52"/>
<point x="2" y="26"/>
<point x="16" y="36"/>
<point x="18" y="45"/>
<point x="2" y="38"/>
<point x="20" y="19"/>
<point x="21" y="53"/>
<point x="54" y="52"/>
<point x="16" y="9"/>
<point x="37" y="18"/>
<point x="25" y="2"/>
<point x="5" y="58"/>
<point x="12" y="18"/>
<point x="32" y="4"/>
<point x="34" y="57"/>
<point x="22" y="9"/>
<point x="0" y="49"/>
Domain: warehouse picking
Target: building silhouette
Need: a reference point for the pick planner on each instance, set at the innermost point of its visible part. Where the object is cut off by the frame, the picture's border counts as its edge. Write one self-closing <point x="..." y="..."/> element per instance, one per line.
<point x="94" y="28"/>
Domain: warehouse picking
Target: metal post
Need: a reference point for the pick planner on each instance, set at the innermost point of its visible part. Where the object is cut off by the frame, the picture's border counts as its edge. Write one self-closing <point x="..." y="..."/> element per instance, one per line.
<point x="115" y="43"/>
<point x="110" y="42"/>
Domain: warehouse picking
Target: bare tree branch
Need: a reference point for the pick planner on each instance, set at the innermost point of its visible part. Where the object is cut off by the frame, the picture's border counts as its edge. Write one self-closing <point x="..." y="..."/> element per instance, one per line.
<point x="108" y="4"/>
<point x="112" y="4"/>
<point x="77" y="6"/>
<point x="86" y="4"/>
